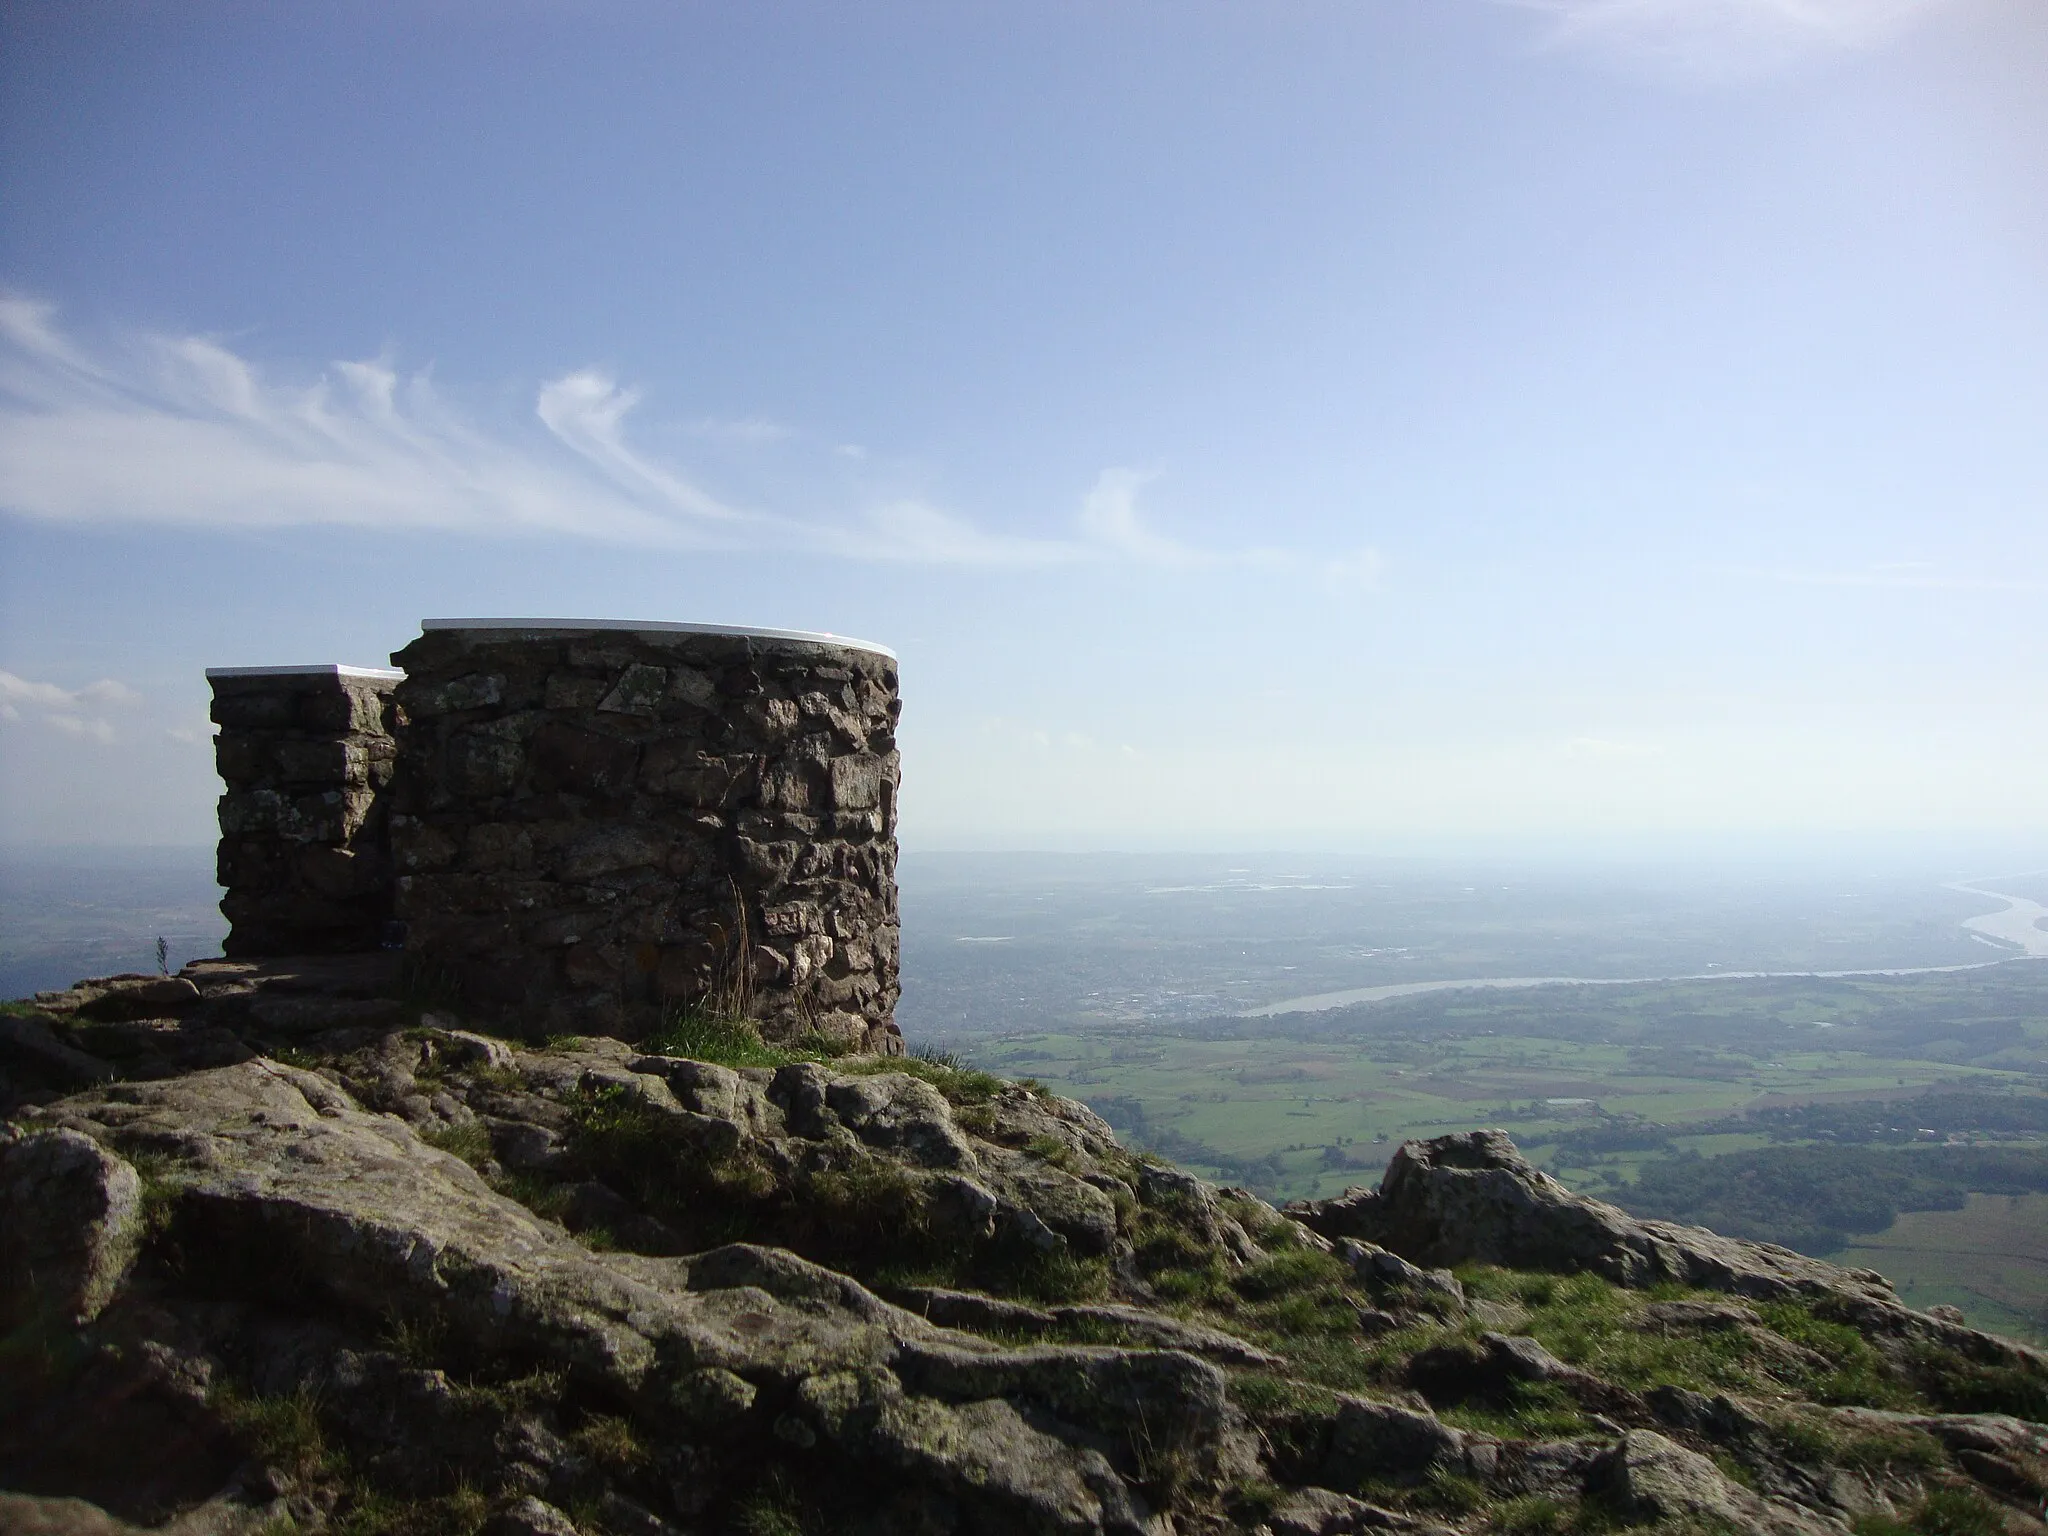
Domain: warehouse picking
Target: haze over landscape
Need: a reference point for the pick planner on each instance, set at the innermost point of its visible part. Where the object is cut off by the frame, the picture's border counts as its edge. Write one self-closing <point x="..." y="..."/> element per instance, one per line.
<point x="1368" y="497"/>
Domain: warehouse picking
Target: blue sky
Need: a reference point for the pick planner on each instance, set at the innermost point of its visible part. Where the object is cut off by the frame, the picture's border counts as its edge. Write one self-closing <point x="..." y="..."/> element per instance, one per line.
<point x="1334" y="423"/>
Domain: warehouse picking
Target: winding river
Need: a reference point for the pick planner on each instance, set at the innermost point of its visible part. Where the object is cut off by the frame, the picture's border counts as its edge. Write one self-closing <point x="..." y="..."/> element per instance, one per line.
<point x="2020" y="925"/>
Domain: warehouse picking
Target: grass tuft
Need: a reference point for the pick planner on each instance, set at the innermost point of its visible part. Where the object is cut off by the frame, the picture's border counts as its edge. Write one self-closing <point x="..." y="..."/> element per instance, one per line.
<point x="283" y="1430"/>
<point x="471" y="1142"/>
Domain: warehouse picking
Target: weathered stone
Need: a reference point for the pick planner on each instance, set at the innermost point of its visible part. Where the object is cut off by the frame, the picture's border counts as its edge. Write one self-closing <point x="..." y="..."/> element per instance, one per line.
<point x="70" y="1224"/>
<point x="1319" y="1512"/>
<point x="900" y="1114"/>
<point x="31" y="1051"/>
<point x="1373" y="1265"/>
<point x="307" y="756"/>
<point x="1649" y="1478"/>
<point x="1371" y="1440"/>
<point x="529" y="1516"/>
<point x="690" y="846"/>
<point x="1472" y="1198"/>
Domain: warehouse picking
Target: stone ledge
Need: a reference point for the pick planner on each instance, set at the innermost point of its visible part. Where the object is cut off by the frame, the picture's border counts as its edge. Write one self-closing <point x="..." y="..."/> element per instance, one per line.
<point x="311" y="669"/>
<point x="657" y="627"/>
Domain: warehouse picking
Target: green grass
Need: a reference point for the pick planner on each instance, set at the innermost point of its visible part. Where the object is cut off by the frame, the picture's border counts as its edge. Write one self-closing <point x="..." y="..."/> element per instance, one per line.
<point x="722" y="1039"/>
<point x="284" y="1430"/>
<point x="1823" y="1440"/>
<point x="471" y="1142"/>
<point x="1943" y="1512"/>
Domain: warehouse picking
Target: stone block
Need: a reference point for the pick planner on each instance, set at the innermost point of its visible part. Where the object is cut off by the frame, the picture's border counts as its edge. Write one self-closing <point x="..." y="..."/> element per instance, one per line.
<point x="306" y="756"/>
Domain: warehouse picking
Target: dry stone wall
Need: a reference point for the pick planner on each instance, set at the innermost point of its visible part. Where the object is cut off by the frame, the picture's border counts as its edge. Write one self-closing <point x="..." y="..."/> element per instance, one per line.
<point x="306" y="754"/>
<point x="600" y="826"/>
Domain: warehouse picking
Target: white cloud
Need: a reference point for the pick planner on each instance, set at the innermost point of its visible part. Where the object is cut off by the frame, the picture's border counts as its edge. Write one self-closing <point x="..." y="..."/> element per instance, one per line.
<point x="71" y="712"/>
<point x="183" y="431"/>
<point x="1111" y="524"/>
<point x="1109" y="517"/>
<point x="1725" y="38"/>
<point x="180" y="430"/>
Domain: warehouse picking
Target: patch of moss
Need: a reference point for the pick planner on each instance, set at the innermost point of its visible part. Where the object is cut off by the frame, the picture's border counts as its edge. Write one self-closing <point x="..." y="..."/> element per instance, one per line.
<point x="1534" y="1515"/>
<point x="1292" y="1272"/>
<point x="1528" y="1410"/>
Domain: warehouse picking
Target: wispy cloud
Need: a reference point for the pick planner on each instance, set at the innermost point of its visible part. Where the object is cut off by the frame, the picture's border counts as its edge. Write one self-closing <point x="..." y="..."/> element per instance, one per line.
<point x="1906" y="574"/>
<point x="1725" y="38"/>
<point x="69" y="711"/>
<point x="183" y="430"/>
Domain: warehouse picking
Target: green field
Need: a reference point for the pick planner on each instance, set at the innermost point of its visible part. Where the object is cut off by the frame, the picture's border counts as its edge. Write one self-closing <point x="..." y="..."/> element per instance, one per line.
<point x="1990" y="1259"/>
<point x="1321" y="1115"/>
<point x="1301" y="1105"/>
<point x="1597" y="1082"/>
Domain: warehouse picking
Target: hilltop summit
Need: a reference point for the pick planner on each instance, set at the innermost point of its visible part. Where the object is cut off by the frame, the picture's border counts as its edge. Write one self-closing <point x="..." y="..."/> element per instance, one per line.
<point x="286" y="1249"/>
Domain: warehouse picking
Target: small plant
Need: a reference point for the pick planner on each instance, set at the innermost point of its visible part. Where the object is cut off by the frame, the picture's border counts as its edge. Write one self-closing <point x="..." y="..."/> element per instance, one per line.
<point x="471" y="1143"/>
<point x="1450" y="1493"/>
<point x="419" y="1341"/>
<point x="159" y="1194"/>
<point x="163" y="956"/>
<point x="1533" y="1515"/>
<point x="772" y="1509"/>
<point x="283" y="1430"/>
<point x="724" y="1039"/>
<point x="1957" y="1512"/>
<point x="609" y="1441"/>
<point x="1050" y="1149"/>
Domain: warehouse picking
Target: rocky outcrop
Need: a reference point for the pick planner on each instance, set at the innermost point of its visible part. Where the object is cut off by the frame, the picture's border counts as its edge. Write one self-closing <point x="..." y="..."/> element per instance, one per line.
<point x="1473" y="1199"/>
<point x="72" y="1217"/>
<point x="318" y="1258"/>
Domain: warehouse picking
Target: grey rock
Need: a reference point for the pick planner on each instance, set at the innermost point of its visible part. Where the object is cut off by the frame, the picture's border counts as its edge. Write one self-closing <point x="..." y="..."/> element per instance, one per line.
<point x="112" y="999"/>
<point x="70" y="1224"/>
<point x="984" y="1453"/>
<point x="1374" y="1265"/>
<point x="31" y="1049"/>
<point x="464" y="1048"/>
<point x="529" y="1517"/>
<point x="1700" y="1316"/>
<point x="963" y="1207"/>
<point x="1649" y="1478"/>
<point x="1319" y="1512"/>
<point x="967" y="1309"/>
<point x="894" y="1112"/>
<point x="1370" y="1439"/>
<point x="1523" y="1359"/>
<point x="1472" y="1198"/>
<point x="280" y="1171"/>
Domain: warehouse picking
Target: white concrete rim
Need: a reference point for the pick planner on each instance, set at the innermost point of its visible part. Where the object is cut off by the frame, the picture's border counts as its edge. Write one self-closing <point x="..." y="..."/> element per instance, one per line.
<point x="657" y="627"/>
<point x="311" y="669"/>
